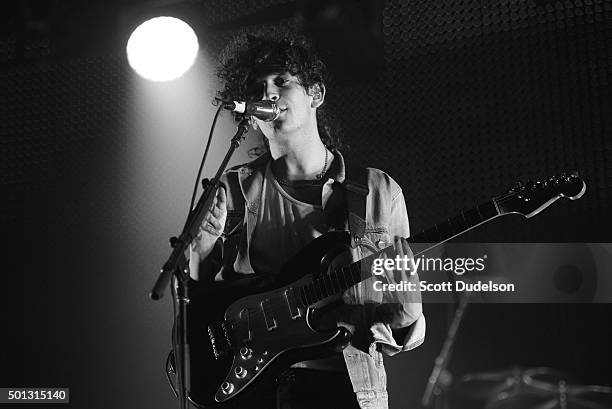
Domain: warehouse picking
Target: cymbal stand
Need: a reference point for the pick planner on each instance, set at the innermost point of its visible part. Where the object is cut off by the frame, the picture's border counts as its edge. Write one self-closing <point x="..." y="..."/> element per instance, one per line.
<point x="440" y="378"/>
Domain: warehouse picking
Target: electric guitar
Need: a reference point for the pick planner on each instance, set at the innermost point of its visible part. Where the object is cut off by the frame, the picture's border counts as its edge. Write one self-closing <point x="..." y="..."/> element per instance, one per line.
<point x="244" y="334"/>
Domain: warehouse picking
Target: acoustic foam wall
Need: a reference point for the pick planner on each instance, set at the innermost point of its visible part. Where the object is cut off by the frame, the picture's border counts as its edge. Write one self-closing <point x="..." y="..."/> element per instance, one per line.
<point x="472" y="98"/>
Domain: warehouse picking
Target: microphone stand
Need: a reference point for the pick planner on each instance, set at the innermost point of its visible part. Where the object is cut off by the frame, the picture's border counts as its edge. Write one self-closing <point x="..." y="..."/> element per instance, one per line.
<point x="177" y="265"/>
<point x="440" y="377"/>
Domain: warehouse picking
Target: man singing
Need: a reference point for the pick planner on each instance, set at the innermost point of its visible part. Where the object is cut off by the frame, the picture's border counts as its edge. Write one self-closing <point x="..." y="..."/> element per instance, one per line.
<point x="271" y="208"/>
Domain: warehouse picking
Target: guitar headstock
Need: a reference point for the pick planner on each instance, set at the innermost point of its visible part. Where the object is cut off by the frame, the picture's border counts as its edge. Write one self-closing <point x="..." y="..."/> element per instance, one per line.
<point x="531" y="198"/>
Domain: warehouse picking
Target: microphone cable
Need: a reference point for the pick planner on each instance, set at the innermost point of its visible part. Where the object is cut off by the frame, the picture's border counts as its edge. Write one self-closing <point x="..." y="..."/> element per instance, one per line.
<point x="197" y="181"/>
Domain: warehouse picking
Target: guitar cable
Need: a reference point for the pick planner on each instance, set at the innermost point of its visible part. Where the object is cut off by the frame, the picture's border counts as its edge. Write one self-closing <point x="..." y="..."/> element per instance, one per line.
<point x="170" y="370"/>
<point x="170" y="367"/>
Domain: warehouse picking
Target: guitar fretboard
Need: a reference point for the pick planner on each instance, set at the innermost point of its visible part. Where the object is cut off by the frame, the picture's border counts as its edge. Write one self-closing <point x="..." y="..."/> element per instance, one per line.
<point x="464" y="221"/>
<point x="338" y="280"/>
<point x="334" y="282"/>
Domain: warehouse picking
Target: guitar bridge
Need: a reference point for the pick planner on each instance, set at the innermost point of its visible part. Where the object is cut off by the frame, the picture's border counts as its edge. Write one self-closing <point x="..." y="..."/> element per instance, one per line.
<point x="220" y="339"/>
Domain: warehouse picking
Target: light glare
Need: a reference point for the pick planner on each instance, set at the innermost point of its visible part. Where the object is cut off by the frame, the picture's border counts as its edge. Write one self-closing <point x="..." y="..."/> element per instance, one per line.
<point x="162" y="48"/>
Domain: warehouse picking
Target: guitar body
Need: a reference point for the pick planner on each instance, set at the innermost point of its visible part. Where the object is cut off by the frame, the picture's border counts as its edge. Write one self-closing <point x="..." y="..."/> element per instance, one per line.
<point x="242" y="335"/>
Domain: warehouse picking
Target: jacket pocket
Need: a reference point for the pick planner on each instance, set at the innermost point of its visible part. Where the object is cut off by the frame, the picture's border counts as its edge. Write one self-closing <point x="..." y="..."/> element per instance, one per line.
<point x="375" y="240"/>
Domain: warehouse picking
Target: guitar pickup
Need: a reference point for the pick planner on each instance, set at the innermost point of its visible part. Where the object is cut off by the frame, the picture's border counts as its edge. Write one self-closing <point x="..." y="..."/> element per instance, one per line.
<point x="266" y="308"/>
<point x="244" y="326"/>
<point x="294" y="309"/>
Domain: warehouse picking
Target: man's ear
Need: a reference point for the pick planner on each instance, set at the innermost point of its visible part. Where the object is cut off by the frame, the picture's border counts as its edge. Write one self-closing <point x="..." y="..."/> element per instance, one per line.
<point x="317" y="91"/>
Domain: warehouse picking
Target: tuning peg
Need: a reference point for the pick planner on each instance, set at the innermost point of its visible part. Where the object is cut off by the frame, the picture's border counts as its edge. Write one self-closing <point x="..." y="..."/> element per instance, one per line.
<point x="517" y="187"/>
<point x="570" y="176"/>
<point x="541" y="184"/>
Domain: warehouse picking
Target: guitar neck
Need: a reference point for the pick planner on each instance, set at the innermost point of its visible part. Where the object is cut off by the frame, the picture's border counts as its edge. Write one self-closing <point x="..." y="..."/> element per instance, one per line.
<point x="336" y="281"/>
<point x="527" y="200"/>
<point x="455" y="226"/>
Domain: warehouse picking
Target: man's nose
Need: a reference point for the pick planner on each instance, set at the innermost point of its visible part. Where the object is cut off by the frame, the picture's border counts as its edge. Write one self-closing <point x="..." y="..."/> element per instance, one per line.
<point x="271" y="96"/>
<point x="271" y="93"/>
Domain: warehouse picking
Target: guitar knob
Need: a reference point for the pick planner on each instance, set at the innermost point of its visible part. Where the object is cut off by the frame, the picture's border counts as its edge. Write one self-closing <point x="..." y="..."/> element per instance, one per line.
<point x="227" y="388"/>
<point x="240" y="372"/>
<point x="245" y="353"/>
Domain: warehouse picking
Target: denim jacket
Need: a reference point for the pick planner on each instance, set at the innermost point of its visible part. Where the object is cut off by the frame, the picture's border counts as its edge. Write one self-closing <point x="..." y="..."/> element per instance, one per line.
<point x="386" y="217"/>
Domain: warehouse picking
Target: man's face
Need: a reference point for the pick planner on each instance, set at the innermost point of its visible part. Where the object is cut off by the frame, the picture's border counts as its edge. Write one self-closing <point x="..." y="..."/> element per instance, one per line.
<point x="294" y="101"/>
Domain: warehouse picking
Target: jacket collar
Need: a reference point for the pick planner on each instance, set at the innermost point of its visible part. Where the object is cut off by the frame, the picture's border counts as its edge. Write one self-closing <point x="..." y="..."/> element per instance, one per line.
<point x="251" y="175"/>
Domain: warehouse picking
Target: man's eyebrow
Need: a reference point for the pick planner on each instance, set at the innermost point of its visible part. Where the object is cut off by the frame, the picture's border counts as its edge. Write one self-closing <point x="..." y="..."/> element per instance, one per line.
<point x="261" y="78"/>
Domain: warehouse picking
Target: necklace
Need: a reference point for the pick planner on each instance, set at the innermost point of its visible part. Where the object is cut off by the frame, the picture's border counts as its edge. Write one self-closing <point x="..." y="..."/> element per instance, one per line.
<point x="301" y="183"/>
<point x="320" y="175"/>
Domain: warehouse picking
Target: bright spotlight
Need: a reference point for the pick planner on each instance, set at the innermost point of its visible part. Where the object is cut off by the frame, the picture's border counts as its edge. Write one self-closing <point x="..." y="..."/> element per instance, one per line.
<point x="162" y="48"/>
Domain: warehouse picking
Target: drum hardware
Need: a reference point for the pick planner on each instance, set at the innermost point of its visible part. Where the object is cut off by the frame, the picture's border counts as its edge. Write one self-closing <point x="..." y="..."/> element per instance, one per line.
<point x="440" y="379"/>
<point x="532" y="388"/>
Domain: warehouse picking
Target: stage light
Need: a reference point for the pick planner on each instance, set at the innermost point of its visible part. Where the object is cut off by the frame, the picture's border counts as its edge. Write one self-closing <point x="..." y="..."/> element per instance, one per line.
<point x="162" y="48"/>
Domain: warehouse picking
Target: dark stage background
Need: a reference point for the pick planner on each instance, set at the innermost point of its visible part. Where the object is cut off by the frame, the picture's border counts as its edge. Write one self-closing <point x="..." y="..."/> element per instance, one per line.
<point x="456" y="100"/>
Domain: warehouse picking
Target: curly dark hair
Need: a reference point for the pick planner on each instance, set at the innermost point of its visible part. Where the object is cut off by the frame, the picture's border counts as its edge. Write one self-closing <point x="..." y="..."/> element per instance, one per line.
<point x="247" y="57"/>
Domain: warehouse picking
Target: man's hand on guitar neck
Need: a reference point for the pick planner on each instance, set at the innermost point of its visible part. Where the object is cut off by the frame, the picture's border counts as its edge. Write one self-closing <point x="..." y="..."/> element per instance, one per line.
<point x="210" y="231"/>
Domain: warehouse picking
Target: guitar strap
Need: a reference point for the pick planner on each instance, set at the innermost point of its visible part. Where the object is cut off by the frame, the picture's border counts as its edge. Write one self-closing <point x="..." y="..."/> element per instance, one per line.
<point x="356" y="188"/>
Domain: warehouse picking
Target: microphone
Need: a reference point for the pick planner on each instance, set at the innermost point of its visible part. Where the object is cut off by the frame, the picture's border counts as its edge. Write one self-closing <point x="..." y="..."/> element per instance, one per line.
<point x="265" y="110"/>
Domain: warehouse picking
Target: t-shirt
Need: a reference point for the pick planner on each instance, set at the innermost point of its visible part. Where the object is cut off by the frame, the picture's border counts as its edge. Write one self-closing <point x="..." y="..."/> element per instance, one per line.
<point x="284" y="226"/>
